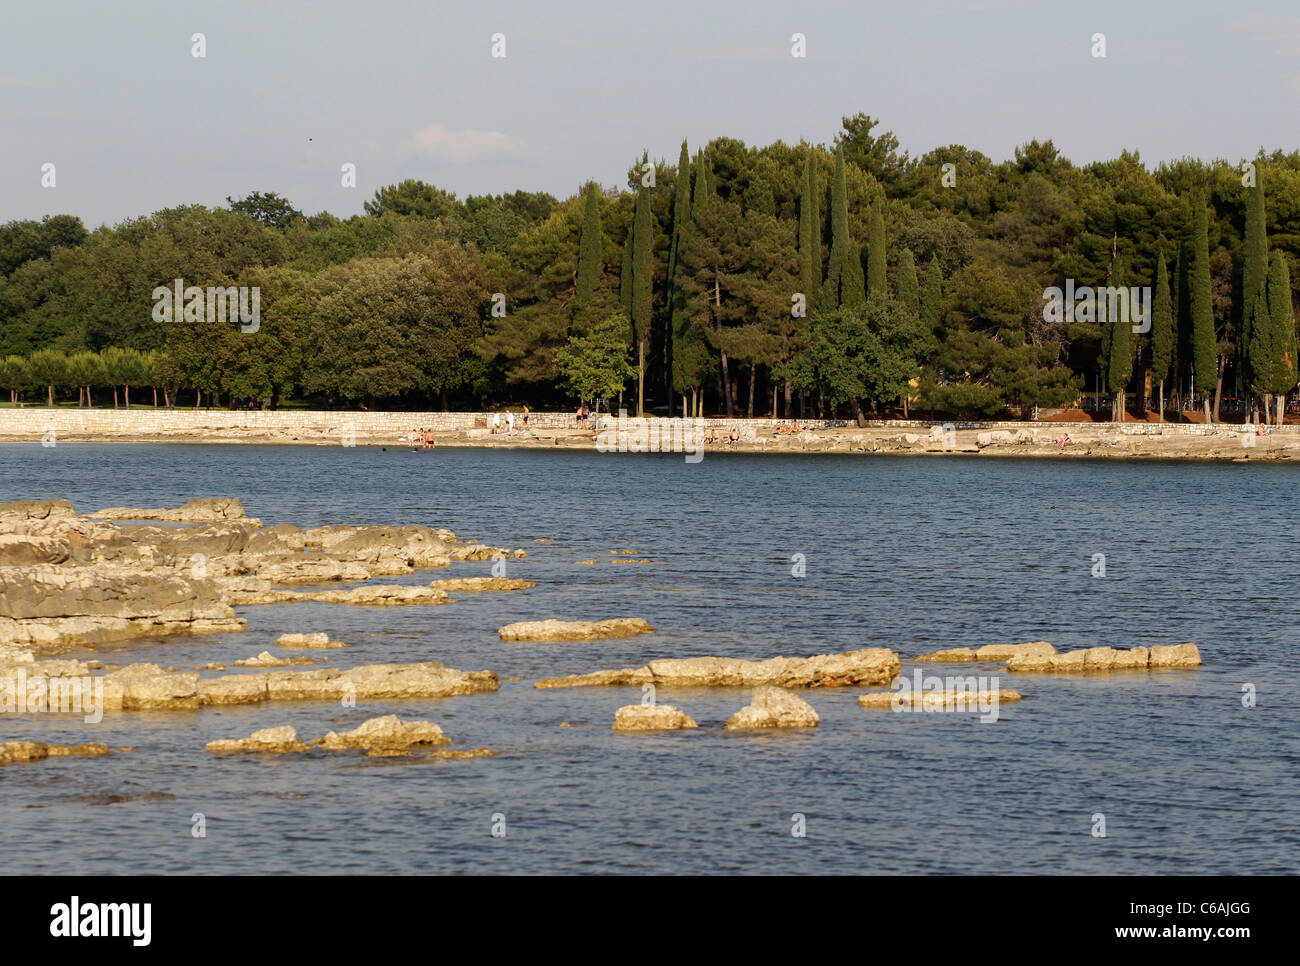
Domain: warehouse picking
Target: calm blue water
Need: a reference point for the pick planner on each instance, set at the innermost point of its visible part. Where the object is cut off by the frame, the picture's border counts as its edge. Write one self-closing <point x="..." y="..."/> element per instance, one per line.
<point x="908" y="553"/>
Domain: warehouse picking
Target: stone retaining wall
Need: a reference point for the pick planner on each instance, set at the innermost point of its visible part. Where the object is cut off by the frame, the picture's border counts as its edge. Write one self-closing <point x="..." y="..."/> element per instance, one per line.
<point x="31" y="423"/>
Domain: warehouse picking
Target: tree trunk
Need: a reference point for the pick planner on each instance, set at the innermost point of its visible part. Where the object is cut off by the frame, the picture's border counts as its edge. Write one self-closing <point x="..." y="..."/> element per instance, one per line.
<point x="640" y="377"/>
<point x="126" y="395"/>
<point x="1281" y="409"/>
<point x="49" y="390"/>
<point x="727" y="396"/>
<point x="198" y="398"/>
<point x="787" y="399"/>
<point x="1161" y="416"/>
<point x="1218" y="394"/>
<point x="753" y="377"/>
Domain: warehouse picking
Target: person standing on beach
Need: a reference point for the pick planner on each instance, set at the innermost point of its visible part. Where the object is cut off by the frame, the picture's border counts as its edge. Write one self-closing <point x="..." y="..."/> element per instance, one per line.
<point x="510" y="423"/>
<point x="496" y="423"/>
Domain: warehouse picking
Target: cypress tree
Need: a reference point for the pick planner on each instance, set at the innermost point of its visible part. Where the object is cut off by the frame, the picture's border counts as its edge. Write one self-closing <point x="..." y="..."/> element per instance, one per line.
<point x="909" y="291"/>
<point x="1119" y="357"/>
<point x="1254" y="278"/>
<point x="845" y="286"/>
<point x="1284" y="369"/>
<point x="625" y="273"/>
<point x="1162" y="330"/>
<point x="932" y="302"/>
<point x="676" y="298"/>
<point x="643" y="249"/>
<point x="810" y="234"/>
<point x="877" y="282"/>
<point x="591" y="247"/>
<point x="1182" y="285"/>
<point x="1204" y="350"/>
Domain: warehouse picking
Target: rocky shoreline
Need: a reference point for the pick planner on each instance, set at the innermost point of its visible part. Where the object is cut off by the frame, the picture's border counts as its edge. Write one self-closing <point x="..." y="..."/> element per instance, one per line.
<point x="556" y="431"/>
<point x="70" y="580"/>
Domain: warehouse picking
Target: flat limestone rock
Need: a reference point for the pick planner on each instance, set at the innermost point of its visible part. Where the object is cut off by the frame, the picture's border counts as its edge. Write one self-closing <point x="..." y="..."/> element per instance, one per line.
<point x="951" y="655"/>
<point x="388" y="734"/>
<point x="1105" y="659"/>
<point x="267" y="659"/>
<point x="472" y="585"/>
<point x="198" y="510"/>
<point x="774" y="708"/>
<point x="877" y="665"/>
<point x="989" y="652"/>
<point x="481" y="551"/>
<point x="60" y="606"/>
<point x="949" y="700"/>
<point x="20" y="751"/>
<point x="651" y="717"/>
<point x="272" y="740"/>
<point x="35" y="510"/>
<point x="319" y="640"/>
<point x="1005" y="652"/>
<point x="556" y="630"/>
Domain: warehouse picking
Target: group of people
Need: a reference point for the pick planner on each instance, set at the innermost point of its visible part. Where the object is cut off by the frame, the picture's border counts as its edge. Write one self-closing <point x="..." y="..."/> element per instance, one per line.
<point x="732" y="437"/>
<point x="422" y="439"/>
<point x="582" y="417"/>
<point x="507" y="426"/>
<point x="788" y="427"/>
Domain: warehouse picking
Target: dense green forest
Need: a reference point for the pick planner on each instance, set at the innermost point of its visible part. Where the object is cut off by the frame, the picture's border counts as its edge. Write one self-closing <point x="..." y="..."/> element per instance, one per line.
<point x="847" y="280"/>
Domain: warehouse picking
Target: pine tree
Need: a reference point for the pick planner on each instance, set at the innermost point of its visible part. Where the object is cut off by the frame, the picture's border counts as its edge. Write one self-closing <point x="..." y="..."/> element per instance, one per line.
<point x="643" y="250"/>
<point x="591" y="257"/>
<point x="877" y="282"/>
<point x="845" y="287"/>
<point x="1162" y="331"/>
<point x="909" y="293"/>
<point x="1204" y="348"/>
<point x="932" y="302"/>
<point x="810" y="234"/>
<point x="1254" y="278"/>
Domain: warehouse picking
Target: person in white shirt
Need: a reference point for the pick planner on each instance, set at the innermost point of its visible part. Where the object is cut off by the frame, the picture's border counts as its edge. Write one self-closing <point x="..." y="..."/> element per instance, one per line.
<point x="496" y="422"/>
<point x="510" y="423"/>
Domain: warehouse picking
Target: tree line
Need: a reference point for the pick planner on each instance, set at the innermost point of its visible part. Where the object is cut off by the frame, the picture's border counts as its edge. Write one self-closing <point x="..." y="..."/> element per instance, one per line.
<point x="841" y="280"/>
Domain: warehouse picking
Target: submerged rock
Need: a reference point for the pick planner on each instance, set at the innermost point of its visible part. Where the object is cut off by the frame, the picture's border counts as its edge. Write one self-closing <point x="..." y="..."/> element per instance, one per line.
<point x="1103" y="659"/>
<point x="651" y="717"/>
<point x="19" y="751"/>
<point x="556" y="630"/>
<point x="876" y="665"/>
<point x="775" y="708"/>
<point x="948" y="700"/>
<point x="272" y="740"/>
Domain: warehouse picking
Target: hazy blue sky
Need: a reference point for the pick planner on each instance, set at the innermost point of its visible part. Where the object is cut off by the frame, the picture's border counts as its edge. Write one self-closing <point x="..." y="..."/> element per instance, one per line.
<point x="111" y="95"/>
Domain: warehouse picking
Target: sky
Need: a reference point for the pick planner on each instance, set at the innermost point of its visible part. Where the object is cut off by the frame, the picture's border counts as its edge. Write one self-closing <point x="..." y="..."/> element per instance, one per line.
<point x="290" y="91"/>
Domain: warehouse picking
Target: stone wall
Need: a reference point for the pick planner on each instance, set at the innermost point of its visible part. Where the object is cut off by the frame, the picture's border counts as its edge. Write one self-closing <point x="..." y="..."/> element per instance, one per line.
<point x="32" y="423"/>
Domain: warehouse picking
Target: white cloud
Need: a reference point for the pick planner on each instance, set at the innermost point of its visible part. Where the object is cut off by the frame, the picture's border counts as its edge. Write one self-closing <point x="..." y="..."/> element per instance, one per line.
<point x="438" y="143"/>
